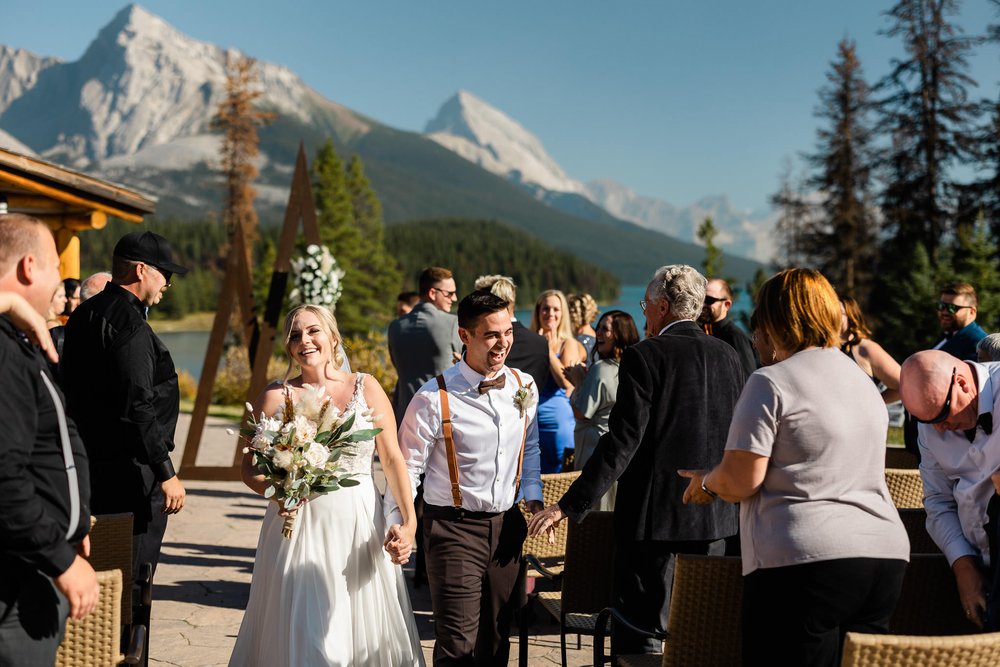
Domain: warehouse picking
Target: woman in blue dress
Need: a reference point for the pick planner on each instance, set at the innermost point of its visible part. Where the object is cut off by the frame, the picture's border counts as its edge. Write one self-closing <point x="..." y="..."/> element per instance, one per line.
<point x="555" y="416"/>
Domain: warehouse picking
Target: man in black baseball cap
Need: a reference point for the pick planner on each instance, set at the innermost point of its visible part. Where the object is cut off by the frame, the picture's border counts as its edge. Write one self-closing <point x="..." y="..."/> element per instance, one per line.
<point x="121" y="387"/>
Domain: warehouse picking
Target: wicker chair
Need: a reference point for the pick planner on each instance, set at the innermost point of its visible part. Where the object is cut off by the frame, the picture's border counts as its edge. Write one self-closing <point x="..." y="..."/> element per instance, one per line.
<point x="586" y="580"/>
<point x="978" y="650"/>
<point x="897" y="457"/>
<point x="704" y="624"/>
<point x="110" y="549"/>
<point x="915" y="521"/>
<point x="929" y="603"/>
<point x="95" y="641"/>
<point x="545" y="557"/>
<point x="905" y="487"/>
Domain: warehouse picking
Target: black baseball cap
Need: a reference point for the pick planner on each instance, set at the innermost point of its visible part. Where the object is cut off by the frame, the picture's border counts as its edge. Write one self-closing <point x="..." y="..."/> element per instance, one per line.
<point x="149" y="248"/>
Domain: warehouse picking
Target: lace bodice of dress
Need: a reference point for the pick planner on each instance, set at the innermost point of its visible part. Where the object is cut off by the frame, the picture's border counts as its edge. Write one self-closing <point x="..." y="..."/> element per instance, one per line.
<point x="359" y="460"/>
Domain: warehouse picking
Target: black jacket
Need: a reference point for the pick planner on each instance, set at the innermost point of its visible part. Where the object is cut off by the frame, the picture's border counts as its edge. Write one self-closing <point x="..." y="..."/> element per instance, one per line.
<point x="676" y="395"/>
<point x="121" y="386"/>
<point x="529" y="353"/>
<point x="34" y="485"/>
<point x="730" y="332"/>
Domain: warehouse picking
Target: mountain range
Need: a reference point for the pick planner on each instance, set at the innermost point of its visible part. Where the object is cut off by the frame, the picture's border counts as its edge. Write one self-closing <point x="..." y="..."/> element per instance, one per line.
<point x="136" y="108"/>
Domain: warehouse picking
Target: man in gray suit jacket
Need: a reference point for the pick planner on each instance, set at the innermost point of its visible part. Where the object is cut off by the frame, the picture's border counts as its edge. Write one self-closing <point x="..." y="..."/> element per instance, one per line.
<point x="424" y="342"/>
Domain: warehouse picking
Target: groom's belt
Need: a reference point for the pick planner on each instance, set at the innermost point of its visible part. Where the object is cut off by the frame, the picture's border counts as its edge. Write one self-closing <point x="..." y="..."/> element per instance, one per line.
<point x="457" y="513"/>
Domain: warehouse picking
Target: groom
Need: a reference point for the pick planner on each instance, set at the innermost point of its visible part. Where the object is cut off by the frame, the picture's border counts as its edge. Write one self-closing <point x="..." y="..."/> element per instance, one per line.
<point x="472" y="430"/>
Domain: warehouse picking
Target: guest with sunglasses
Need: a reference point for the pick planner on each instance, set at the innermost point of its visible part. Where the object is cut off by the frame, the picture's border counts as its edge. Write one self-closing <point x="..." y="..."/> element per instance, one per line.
<point x="954" y="402"/>
<point x="956" y="312"/>
<point x="715" y="321"/>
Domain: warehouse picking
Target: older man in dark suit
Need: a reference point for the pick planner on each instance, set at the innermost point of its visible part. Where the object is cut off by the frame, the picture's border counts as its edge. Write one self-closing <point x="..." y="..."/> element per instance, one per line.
<point x="676" y="395"/>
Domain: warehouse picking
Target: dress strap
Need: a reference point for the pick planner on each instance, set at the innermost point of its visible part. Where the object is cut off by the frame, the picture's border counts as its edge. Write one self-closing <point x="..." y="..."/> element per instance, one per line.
<point x="359" y="384"/>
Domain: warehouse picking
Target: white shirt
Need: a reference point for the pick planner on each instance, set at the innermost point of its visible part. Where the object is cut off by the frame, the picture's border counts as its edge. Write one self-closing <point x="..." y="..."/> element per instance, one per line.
<point x="487" y="431"/>
<point x="956" y="474"/>
<point x="672" y="324"/>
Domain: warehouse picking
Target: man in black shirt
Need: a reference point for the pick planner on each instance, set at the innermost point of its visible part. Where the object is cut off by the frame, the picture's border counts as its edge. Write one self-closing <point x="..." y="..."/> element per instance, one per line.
<point x="121" y="386"/>
<point x="44" y="490"/>
<point x="715" y="321"/>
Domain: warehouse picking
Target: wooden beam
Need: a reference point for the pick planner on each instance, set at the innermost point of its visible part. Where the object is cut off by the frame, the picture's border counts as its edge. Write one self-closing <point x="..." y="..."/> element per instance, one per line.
<point x="109" y="194"/>
<point x="60" y="195"/>
<point x="81" y="222"/>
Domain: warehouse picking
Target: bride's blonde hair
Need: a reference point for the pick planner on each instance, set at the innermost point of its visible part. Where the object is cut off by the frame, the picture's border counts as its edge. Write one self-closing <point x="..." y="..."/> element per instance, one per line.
<point x="329" y="324"/>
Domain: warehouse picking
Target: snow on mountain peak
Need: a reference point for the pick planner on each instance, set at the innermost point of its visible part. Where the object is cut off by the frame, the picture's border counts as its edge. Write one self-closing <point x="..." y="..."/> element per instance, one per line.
<point x="483" y="134"/>
<point x="142" y="84"/>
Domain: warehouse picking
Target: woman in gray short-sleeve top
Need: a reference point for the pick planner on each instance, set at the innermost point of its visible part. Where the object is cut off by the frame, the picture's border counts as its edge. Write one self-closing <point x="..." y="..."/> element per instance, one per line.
<point x="824" y="550"/>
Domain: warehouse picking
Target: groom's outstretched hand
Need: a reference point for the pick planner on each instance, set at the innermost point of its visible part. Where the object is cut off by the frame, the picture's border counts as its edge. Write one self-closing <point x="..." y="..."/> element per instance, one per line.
<point x="398" y="544"/>
<point x="544" y="520"/>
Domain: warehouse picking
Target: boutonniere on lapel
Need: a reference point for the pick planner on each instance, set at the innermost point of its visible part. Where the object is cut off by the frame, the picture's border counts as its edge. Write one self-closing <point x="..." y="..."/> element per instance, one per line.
<point x="524" y="398"/>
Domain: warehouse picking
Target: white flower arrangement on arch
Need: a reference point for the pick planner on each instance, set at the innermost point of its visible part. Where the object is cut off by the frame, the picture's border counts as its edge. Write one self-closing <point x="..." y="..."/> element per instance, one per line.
<point x="317" y="278"/>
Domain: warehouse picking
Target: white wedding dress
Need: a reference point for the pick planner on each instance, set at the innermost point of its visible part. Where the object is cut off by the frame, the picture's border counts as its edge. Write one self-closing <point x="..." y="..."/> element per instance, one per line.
<point x="330" y="595"/>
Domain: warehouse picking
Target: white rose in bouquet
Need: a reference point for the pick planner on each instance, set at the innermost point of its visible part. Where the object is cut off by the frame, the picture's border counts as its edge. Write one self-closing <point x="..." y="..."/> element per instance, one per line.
<point x="317" y="455"/>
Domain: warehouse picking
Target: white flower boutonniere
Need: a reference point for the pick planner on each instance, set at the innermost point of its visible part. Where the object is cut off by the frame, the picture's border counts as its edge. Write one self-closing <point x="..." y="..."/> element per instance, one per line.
<point x="524" y="398"/>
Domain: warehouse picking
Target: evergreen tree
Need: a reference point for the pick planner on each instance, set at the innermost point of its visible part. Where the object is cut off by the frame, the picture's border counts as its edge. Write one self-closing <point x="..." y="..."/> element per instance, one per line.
<point x="842" y="239"/>
<point x="794" y="225"/>
<point x="928" y="116"/>
<point x="371" y="279"/>
<point x="975" y="262"/>
<point x="908" y="320"/>
<point x="238" y="119"/>
<point x="381" y="270"/>
<point x="713" y="253"/>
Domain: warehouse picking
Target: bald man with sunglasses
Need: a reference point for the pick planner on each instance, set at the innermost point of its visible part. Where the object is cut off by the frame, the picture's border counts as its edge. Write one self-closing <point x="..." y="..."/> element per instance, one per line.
<point x="956" y="312"/>
<point x="953" y="402"/>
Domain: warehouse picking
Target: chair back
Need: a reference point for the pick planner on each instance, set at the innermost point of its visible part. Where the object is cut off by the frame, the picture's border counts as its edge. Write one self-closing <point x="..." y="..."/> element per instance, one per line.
<point x="111" y="549"/>
<point x="915" y="521"/>
<point x="929" y="603"/>
<point x="705" y="622"/>
<point x="554" y="485"/>
<point x="95" y="641"/>
<point x="588" y="575"/>
<point x="897" y="457"/>
<point x="905" y="487"/>
<point x="977" y="650"/>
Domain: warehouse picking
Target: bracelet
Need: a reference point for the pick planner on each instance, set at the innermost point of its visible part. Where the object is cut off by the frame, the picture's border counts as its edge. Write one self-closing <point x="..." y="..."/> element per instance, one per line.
<point x="707" y="490"/>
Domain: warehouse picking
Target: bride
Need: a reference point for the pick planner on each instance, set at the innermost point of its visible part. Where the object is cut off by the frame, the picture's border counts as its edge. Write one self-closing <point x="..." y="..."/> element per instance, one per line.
<point x="329" y="595"/>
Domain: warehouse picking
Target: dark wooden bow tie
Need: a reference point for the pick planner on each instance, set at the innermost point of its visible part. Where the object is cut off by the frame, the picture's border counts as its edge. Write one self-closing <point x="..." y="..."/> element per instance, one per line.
<point x="496" y="383"/>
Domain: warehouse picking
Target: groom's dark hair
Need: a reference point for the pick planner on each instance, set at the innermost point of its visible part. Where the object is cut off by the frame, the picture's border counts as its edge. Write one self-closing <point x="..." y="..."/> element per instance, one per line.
<point x="476" y="306"/>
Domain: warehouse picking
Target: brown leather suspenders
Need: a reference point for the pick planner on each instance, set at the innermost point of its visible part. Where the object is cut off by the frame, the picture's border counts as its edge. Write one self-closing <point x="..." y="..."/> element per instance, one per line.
<point x="449" y="442"/>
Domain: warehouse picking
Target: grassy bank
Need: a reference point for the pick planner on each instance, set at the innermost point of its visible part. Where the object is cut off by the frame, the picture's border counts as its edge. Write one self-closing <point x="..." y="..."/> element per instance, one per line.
<point x="190" y="322"/>
<point x="234" y="412"/>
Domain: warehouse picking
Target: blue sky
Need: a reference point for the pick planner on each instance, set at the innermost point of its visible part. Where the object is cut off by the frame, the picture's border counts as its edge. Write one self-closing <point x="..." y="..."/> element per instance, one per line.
<point x="677" y="100"/>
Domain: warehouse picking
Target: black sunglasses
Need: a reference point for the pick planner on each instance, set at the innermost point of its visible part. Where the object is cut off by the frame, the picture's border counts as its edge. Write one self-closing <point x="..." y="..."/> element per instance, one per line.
<point x="167" y="275"/>
<point x="712" y="300"/>
<point x="946" y="410"/>
<point x="952" y="308"/>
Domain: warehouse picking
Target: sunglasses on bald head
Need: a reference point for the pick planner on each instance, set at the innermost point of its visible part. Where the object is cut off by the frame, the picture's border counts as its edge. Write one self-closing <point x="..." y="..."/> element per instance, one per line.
<point x="946" y="410"/>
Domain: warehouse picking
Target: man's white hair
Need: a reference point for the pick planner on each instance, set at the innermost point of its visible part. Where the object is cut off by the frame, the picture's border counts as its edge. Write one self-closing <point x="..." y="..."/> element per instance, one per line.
<point x="683" y="288"/>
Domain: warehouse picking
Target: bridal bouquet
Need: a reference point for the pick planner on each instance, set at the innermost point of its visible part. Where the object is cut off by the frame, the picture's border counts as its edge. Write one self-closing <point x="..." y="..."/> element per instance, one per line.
<point x="298" y="450"/>
<point x="317" y="278"/>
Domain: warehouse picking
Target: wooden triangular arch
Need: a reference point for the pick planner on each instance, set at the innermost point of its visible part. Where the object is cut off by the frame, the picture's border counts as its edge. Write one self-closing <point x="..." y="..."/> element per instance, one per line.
<point x="238" y="284"/>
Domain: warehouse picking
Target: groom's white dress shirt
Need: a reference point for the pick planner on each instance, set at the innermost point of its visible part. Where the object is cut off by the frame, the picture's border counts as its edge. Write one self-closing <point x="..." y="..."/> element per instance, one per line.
<point x="488" y="429"/>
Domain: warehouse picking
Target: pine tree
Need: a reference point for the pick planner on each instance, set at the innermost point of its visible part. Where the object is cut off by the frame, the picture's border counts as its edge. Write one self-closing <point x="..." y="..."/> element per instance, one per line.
<point x="238" y="119"/>
<point x="929" y="118"/>
<point x="713" y="254"/>
<point x="908" y="318"/>
<point x="975" y="262"/>
<point x="794" y="225"/>
<point x="380" y="268"/>
<point x="350" y="222"/>
<point x="842" y="240"/>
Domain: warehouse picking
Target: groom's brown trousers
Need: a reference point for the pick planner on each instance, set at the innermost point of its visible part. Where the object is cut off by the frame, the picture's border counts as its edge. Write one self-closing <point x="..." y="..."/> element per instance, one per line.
<point x="472" y="567"/>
